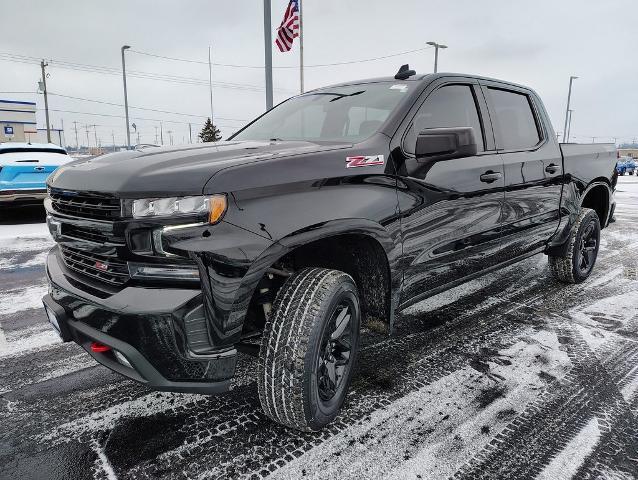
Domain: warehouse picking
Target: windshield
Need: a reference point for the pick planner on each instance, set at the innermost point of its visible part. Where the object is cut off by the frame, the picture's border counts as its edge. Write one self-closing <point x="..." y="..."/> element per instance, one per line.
<point x="345" y="114"/>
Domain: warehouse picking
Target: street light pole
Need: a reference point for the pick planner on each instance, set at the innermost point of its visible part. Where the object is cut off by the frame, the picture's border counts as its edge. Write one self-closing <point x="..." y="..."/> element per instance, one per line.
<point x="210" y="85"/>
<point x="436" y="53"/>
<point x="128" y="129"/>
<point x="569" y="126"/>
<point x="567" y="114"/>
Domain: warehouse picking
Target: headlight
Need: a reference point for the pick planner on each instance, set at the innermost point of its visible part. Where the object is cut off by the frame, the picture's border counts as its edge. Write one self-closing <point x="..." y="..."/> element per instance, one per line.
<point x="212" y="205"/>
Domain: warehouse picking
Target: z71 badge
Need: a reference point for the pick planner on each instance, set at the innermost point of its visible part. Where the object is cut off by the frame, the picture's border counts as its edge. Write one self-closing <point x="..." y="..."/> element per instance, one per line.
<point x="364" y="161"/>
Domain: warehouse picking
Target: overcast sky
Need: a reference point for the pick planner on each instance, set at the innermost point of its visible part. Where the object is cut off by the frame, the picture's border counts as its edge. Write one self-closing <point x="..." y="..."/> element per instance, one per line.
<point x="539" y="44"/>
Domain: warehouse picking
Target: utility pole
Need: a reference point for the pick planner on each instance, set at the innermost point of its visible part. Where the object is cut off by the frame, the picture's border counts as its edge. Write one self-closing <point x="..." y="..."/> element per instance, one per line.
<point x="46" y="98"/>
<point x="436" y="53"/>
<point x="210" y="83"/>
<point x="190" y="134"/>
<point x="95" y="133"/>
<point x="162" y="132"/>
<point x="593" y="139"/>
<point x="138" y="138"/>
<point x="267" y="54"/>
<point x="155" y="134"/>
<point x="567" y="114"/>
<point x="77" y="143"/>
<point x="128" y="129"/>
<point x="88" y="143"/>
<point x="301" y="86"/>
<point x="113" y="138"/>
<point x="170" y="136"/>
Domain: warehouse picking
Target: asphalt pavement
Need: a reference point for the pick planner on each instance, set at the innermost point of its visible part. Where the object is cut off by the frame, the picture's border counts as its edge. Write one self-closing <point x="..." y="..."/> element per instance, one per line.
<point x="510" y="376"/>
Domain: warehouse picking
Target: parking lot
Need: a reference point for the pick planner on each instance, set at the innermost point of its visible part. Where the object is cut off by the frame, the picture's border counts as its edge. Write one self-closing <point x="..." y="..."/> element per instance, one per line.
<point x="512" y="376"/>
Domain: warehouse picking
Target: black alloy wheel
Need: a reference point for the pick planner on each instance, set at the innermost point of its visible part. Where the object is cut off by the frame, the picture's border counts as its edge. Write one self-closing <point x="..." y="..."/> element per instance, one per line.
<point x="334" y="358"/>
<point x="588" y="248"/>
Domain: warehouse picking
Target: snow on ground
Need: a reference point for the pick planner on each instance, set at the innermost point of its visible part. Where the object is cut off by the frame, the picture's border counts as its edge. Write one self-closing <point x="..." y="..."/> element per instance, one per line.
<point x="510" y="376"/>
<point x="457" y="413"/>
<point x="34" y="338"/>
<point x="16" y="300"/>
<point x="147" y="405"/>
<point x="10" y="233"/>
<point x="565" y="465"/>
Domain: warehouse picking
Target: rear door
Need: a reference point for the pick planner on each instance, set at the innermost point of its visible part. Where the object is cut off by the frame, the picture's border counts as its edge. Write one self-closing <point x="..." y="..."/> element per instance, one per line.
<point x="450" y="211"/>
<point x="532" y="165"/>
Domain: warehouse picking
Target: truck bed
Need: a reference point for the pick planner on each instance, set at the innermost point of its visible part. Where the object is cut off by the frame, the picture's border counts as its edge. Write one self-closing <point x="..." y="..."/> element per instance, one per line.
<point x="586" y="162"/>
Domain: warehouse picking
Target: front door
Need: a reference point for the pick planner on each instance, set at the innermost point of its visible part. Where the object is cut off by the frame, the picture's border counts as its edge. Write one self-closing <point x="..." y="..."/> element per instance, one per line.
<point x="450" y="210"/>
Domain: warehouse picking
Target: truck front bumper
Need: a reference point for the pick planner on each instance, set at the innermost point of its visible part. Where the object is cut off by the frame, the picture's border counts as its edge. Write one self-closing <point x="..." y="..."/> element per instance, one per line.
<point x="142" y="328"/>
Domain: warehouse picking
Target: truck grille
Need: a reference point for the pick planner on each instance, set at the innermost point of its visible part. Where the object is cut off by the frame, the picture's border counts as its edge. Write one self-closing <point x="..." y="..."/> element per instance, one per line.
<point x="107" y="269"/>
<point x="87" y="234"/>
<point x="85" y="204"/>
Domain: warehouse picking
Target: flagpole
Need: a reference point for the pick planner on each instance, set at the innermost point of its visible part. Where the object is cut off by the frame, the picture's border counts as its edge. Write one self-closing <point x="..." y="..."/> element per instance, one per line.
<point x="301" y="48"/>
<point x="268" y="54"/>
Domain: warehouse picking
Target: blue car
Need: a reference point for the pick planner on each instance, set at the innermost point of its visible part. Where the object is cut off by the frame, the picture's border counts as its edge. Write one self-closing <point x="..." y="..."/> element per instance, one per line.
<point x="626" y="165"/>
<point x="24" y="169"/>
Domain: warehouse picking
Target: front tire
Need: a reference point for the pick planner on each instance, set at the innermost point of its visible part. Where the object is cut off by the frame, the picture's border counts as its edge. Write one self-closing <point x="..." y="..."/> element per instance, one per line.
<point x="308" y="348"/>
<point x="582" y="250"/>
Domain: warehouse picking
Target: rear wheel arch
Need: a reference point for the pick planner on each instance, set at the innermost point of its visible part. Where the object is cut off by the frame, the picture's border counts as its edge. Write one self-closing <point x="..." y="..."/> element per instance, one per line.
<point x="597" y="196"/>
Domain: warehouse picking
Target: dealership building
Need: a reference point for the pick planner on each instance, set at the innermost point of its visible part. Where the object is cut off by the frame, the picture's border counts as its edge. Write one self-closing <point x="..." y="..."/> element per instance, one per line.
<point x="17" y="121"/>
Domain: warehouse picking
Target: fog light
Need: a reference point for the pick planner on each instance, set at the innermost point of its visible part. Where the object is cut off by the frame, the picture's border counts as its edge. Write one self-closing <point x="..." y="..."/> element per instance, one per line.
<point x="122" y="359"/>
<point x="163" y="272"/>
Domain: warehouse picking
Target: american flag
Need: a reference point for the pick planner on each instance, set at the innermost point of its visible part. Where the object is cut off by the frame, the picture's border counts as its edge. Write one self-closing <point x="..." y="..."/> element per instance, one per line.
<point x="289" y="28"/>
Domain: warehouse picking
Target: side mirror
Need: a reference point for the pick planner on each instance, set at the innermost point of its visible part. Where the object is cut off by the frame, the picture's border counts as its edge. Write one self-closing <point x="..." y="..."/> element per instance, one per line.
<point x="436" y="144"/>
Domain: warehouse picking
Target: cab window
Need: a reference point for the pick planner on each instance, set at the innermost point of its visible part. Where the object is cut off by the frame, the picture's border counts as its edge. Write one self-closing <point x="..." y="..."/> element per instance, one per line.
<point x="449" y="106"/>
<point x="515" y="120"/>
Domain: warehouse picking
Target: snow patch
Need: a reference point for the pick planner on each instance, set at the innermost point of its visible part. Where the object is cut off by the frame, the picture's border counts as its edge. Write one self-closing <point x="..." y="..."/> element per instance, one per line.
<point x="106" y="419"/>
<point x="437" y="428"/>
<point x="31" y="234"/>
<point x="29" y="339"/>
<point x="102" y="461"/>
<point x="16" y="300"/>
<point x="566" y="463"/>
<point x="608" y="313"/>
<point x="608" y="277"/>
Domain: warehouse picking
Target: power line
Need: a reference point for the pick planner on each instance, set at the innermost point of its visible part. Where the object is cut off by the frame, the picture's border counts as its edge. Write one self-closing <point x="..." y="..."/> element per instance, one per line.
<point x="10" y="57"/>
<point x="293" y="66"/>
<point x="144" y="108"/>
<point x="122" y="116"/>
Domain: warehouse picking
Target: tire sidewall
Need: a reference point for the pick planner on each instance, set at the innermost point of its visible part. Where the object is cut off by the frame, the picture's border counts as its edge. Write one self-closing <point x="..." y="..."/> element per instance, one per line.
<point x="591" y="216"/>
<point x="318" y="412"/>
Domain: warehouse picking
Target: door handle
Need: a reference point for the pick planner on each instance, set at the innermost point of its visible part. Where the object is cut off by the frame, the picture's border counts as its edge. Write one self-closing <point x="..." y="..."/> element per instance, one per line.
<point x="490" y="176"/>
<point x="552" y="168"/>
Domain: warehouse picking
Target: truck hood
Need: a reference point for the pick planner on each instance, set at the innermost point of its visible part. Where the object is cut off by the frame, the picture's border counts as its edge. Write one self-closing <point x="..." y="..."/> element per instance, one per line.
<point x="172" y="171"/>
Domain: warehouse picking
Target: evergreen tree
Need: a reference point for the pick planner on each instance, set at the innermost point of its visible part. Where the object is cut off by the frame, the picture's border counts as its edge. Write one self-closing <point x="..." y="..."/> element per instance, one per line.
<point x="210" y="133"/>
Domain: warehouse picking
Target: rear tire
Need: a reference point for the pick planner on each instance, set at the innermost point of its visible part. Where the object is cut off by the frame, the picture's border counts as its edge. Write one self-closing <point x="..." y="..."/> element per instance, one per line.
<point x="308" y="348"/>
<point x="582" y="250"/>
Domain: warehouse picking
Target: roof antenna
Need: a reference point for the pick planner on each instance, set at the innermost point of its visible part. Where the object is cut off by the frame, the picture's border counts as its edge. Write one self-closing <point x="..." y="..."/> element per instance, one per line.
<point x="404" y="72"/>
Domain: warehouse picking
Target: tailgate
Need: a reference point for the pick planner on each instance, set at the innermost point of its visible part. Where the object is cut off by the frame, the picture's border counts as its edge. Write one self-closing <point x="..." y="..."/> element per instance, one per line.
<point x="30" y="176"/>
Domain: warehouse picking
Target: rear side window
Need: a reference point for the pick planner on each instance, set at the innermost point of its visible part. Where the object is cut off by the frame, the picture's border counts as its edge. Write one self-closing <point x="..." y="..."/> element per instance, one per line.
<point x="449" y="106"/>
<point x="514" y="119"/>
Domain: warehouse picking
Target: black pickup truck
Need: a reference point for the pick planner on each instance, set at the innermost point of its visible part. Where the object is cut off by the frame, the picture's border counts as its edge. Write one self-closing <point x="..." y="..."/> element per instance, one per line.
<point x="336" y="208"/>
